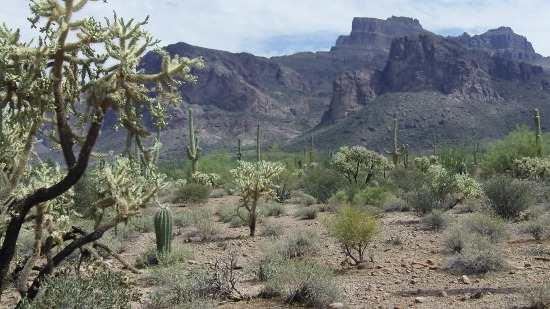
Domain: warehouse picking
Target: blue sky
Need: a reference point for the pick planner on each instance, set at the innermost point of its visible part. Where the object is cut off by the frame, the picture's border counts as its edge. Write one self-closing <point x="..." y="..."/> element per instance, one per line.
<point x="268" y="27"/>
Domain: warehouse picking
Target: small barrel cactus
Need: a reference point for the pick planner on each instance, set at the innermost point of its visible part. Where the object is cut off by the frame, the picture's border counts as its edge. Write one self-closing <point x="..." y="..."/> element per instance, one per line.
<point x="163" y="229"/>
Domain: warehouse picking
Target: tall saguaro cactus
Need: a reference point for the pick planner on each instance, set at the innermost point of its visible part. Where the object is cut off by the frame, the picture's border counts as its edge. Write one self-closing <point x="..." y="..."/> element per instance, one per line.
<point x="163" y="229"/>
<point x="239" y="153"/>
<point x="193" y="150"/>
<point x="538" y="133"/>
<point x="258" y="143"/>
<point x="395" y="152"/>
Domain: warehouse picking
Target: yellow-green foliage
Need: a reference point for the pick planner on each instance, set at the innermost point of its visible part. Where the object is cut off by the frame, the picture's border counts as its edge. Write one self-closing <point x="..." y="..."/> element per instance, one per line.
<point x="255" y="181"/>
<point x="354" y="229"/>
<point x="423" y="163"/>
<point x="209" y="180"/>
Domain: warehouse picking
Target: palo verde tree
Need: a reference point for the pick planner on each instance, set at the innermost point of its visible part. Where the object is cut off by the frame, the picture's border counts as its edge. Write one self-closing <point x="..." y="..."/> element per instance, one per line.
<point x="60" y="87"/>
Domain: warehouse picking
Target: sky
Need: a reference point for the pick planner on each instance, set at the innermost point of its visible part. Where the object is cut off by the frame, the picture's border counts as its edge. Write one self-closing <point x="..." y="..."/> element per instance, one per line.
<point x="280" y="27"/>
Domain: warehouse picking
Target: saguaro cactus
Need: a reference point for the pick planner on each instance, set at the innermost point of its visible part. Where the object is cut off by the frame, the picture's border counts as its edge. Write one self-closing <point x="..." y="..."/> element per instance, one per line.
<point x="406" y="155"/>
<point x="193" y="150"/>
<point x="163" y="229"/>
<point x="239" y="153"/>
<point x="395" y="152"/>
<point x="538" y="133"/>
<point x="475" y="148"/>
<point x="258" y="143"/>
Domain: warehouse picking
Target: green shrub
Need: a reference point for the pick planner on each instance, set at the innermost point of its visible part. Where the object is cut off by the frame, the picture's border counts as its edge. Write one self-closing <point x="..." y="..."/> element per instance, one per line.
<point x="455" y="157"/>
<point x="499" y="157"/>
<point x="354" y="229"/>
<point x="85" y="194"/>
<point x="308" y="212"/>
<point x="435" y="220"/>
<point x="322" y="183"/>
<point x="101" y="289"/>
<point x="423" y="200"/>
<point x="375" y="196"/>
<point x="508" y="197"/>
<point x="227" y="212"/>
<point x="536" y="228"/>
<point x="457" y="239"/>
<point x="192" y="193"/>
<point x="405" y="179"/>
<point x="396" y="204"/>
<point x="538" y="296"/>
<point x="180" y="253"/>
<point x="205" y="230"/>
<point x="338" y="199"/>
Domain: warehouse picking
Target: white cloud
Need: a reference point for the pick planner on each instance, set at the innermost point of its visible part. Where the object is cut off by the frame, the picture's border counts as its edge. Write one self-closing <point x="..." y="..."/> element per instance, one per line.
<point x="266" y="27"/>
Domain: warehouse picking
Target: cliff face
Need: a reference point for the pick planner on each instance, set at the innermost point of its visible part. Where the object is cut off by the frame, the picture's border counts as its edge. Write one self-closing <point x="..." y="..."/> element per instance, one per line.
<point x="503" y="43"/>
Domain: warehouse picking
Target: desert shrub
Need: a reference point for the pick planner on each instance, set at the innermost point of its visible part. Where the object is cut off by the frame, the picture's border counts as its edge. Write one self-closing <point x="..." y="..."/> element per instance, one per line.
<point x="499" y="157"/>
<point x="396" y="204"/>
<point x="307" y="200"/>
<point x="300" y="243"/>
<point x="273" y="209"/>
<point x="508" y="197"/>
<point x="192" y="193"/>
<point x="191" y="215"/>
<point x="308" y="212"/>
<point x="227" y="212"/>
<point x="101" y="289"/>
<point x="424" y="200"/>
<point x="477" y="257"/>
<point x="141" y="224"/>
<point x="375" y="196"/>
<point x="457" y="239"/>
<point x="286" y="182"/>
<point x="210" y="180"/>
<point x="536" y="227"/>
<point x="486" y="225"/>
<point x="435" y="220"/>
<point x="454" y="157"/>
<point x="206" y="230"/>
<point x="322" y="183"/>
<point x="179" y="288"/>
<point x="301" y="281"/>
<point x="338" y="199"/>
<point x="272" y="229"/>
<point x="216" y="193"/>
<point x="178" y="254"/>
<point x="354" y="229"/>
<point x="538" y="296"/>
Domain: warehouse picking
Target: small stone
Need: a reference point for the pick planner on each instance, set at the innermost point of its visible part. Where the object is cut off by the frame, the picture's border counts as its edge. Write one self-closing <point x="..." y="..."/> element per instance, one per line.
<point x="398" y="306"/>
<point x="420" y="300"/>
<point x="465" y="279"/>
<point x="413" y="281"/>
<point x="477" y="295"/>
<point x="527" y="264"/>
<point x="442" y="293"/>
<point x="336" y="305"/>
<point x="366" y="265"/>
<point x="236" y="265"/>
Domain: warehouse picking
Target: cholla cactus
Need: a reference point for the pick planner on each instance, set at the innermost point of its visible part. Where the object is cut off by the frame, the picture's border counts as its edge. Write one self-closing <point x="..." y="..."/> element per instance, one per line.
<point x="204" y="179"/>
<point x="528" y="167"/>
<point x="358" y="162"/>
<point x="424" y="163"/>
<point x="255" y="181"/>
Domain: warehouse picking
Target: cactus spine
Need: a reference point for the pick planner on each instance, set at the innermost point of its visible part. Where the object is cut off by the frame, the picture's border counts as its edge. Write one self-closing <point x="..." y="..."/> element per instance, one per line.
<point x="239" y="153"/>
<point x="538" y="133"/>
<point x="395" y="152"/>
<point x="163" y="229"/>
<point x="193" y="150"/>
<point x="258" y="143"/>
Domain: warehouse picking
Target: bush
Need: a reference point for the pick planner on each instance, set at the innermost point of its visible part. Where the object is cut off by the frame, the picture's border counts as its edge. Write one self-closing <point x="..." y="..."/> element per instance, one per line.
<point x="508" y="197"/>
<point x="180" y="253"/>
<point x="273" y="209"/>
<point x="307" y="200"/>
<point x="191" y="215"/>
<point x="538" y="296"/>
<point x="85" y="194"/>
<point x="396" y="204"/>
<point x="457" y="239"/>
<point x="374" y="196"/>
<point x="435" y="220"/>
<point x="300" y="243"/>
<point x="272" y="229"/>
<point x="486" y="225"/>
<point x="309" y="212"/>
<point x="192" y="193"/>
<point x="536" y="228"/>
<point x="423" y="200"/>
<point x="322" y="183"/>
<point x="354" y="229"/>
<point x="102" y="289"/>
<point x="302" y="281"/>
<point x="205" y="230"/>
<point x="477" y="259"/>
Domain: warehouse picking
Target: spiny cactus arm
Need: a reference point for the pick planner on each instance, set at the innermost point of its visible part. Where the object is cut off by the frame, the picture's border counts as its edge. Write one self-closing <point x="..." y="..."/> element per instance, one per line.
<point x="163" y="229"/>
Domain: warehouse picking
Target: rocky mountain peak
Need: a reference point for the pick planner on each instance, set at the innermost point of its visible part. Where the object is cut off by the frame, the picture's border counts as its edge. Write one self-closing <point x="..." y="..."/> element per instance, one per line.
<point x="501" y="42"/>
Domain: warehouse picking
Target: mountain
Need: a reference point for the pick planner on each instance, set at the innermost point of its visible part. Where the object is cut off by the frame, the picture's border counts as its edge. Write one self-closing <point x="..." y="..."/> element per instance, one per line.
<point x="349" y="94"/>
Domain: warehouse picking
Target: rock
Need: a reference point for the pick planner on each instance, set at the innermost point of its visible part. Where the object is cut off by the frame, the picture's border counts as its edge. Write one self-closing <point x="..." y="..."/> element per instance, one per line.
<point x="413" y="281"/>
<point x="465" y="279"/>
<point x="236" y="264"/>
<point x="527" y="264"/>
<point x="442" y="293"/>
<point x="420" y="300"/>
<point x="347" y="262"/>
<point x="366" y="265"/>
<point x="336" y="305"/>
<point x="477" y="295"/>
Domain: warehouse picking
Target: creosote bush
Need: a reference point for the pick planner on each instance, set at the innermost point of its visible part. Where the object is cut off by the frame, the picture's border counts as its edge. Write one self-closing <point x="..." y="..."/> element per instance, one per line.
<point x="322" y="183"/>
<point x="354" y="229"/>
<point x="538" y="296"/>
<point x="508" y="197"/>
<point x="192" y="193"/>
<point x="436" y="220"/>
